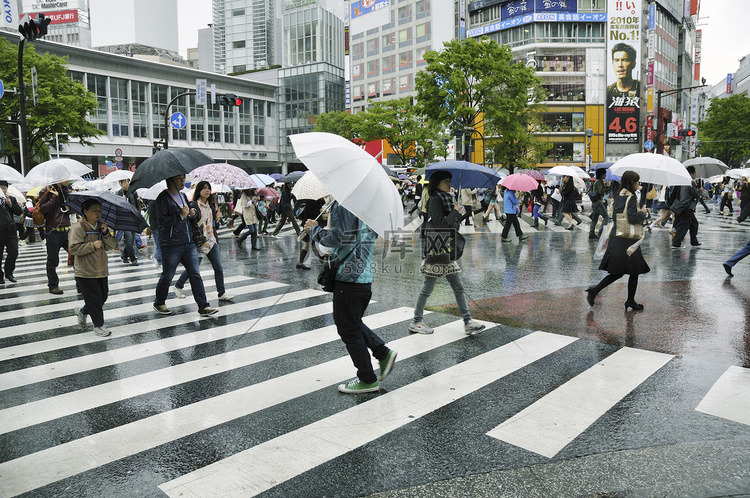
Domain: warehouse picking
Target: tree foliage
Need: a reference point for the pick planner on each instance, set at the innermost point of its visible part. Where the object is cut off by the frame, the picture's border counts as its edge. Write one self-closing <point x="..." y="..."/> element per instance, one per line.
<point x="723" y="134"/>
<point x="473" y="82"/>
<point x="336" y="122"/>
<point x="63" y="106"/>
<point x="408" y="133"/>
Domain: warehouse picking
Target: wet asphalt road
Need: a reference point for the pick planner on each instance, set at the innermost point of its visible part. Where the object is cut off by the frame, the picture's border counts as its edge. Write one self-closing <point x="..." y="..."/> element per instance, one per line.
<point x="650" y="441"/>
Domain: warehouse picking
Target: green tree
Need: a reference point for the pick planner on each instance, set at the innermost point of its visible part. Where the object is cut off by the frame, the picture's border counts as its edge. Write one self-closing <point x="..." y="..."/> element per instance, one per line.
<point x="475" y="82"/>
<point x="723" y="134"/>
<point x="408" y="133"/>
<point x="63" y="106"/>
<point x="338" y="123"/>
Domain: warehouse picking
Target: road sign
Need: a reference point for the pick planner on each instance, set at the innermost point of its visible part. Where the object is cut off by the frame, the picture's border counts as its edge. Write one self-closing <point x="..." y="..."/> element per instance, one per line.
<point x="118" y="152"/>
<point x="2" y="89"/>
<point x="648" y="145"/>
<point x="118" y="164"/>
<point x="178" y="120"/>
<point x="200" y="91"/>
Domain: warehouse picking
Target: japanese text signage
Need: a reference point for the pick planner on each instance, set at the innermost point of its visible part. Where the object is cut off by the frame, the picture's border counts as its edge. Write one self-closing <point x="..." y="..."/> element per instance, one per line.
<point x="550" y="17"/>
<point x="519" y="8"/>
<point x="362" y="7"/>
<point x="31" y="6"/>
<point x="623" y="71"/>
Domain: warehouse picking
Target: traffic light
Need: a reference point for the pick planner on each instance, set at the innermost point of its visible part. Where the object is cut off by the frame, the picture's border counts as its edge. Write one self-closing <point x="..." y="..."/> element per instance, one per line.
<point x="686" y="133"/>
<point x="230" y="100"/>
<point x="34" y="28"/>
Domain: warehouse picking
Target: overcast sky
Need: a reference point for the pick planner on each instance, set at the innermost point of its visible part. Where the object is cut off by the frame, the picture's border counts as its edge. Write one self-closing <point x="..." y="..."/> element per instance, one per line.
<point x="724" y="24"/>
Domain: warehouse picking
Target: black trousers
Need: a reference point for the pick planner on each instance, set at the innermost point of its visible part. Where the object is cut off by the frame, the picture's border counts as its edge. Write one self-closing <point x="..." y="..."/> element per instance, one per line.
<point x="8" y="242"/>
<point x="95" y="292"/>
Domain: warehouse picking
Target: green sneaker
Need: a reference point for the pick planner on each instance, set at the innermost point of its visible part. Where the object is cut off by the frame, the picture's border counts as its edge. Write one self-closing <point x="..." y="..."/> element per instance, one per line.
<point x="386" y="365"/>
<point x="355" y="386"/>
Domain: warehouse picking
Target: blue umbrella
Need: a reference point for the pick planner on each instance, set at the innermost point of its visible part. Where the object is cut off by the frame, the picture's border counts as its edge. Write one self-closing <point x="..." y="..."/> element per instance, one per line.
<point x="612" y="177"/>
<point x="291" y="177"/>
<point x="603" y="165"/>
<point x="117" y="212"/>
<point x="466" y="174"/>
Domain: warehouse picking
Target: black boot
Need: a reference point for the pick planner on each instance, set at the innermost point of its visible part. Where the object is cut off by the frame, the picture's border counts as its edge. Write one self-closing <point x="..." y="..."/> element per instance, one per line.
<point x="536" y="223"/>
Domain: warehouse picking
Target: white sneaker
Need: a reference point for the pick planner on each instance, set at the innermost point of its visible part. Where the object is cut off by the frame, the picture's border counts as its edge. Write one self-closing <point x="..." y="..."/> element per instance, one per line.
<point x="420" y="328"/>
<point x="179" y="293"/>
<point x="471" y="327"/>
<point x="81" y="319"/>
<point x="226" y="297"/>
<point x="101" y="331"/>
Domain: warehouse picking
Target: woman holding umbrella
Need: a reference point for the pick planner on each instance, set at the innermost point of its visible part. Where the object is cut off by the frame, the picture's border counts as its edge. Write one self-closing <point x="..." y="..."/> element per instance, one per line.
<point x="443" y="220"/>
<point x="205" y="202"/>
<point x="568" y="203"/>
<point x="620" y="258"/>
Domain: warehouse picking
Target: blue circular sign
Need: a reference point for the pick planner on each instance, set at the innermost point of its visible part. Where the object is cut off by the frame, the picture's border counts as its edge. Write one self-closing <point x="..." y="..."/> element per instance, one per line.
<point x="648" y="145"/>
<point x="2" y="89"/>
<point x="178" y="120"/>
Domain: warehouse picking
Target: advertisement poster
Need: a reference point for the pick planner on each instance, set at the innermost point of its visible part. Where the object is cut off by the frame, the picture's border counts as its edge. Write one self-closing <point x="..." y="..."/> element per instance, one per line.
<point x="623" y="71"/>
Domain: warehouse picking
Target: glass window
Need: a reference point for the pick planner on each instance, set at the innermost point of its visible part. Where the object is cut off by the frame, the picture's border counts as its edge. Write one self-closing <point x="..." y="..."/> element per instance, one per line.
<point x="238" y="44"/>
<point x="98" y="85"/>
<point x="238" y="12"/>
<point x="404" y="35"/>
<point x="118" y="91"/>
<point x="404" y="82"/>
<point x="139" y="101"/>
<point x="372" y="67"/>
<point x="372" y="44"/>
<point x="404" y="58"/>
<point x="388" y="86"/>
<point x="372" y="89"/>
<point x="159" y="101"/>
<point x="403" y="12"/>
<point x="388" y="63"/>
<point x="388" y="39"/>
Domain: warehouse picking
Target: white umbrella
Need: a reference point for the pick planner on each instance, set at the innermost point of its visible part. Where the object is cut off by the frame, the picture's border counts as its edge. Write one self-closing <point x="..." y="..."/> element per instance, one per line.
<point x="706" y="166"/>
<point x="116" y="176"/>
<point x="262" y="180"/>
<point x="562" y="171"/>
<point x="151" y="193"/>
<point x="10" y="175"/>
<point x="737" y="173"/>
<point x="309" y="187"/>
<point x="56" y="171"/>
<point x="653" y="168"/>
<point x="220" y="187"/>
<point x="14" y="192"/>
<point x="354" y="178"/>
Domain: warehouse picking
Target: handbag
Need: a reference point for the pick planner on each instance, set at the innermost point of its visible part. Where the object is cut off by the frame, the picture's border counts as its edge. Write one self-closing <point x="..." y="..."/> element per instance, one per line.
<point x="594" y="196"/>
<point x="327" y="275"/>
<point x="557" y="196"/>
<point x="652" y="194"/>
<point x="38" y="217"/>
<point x="623" y="228"/>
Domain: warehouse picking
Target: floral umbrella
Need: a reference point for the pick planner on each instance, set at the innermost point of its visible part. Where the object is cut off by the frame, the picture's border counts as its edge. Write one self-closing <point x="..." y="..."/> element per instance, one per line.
<point x="223" y="174"/>
<point x="533" y="173"/>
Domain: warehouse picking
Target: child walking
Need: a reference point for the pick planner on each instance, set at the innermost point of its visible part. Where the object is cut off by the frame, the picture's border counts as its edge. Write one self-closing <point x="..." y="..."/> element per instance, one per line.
<point x="89" y="240"/>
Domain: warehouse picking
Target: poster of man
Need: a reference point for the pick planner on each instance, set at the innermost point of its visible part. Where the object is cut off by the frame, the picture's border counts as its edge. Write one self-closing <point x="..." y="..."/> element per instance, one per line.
<point x="623" y="71"/>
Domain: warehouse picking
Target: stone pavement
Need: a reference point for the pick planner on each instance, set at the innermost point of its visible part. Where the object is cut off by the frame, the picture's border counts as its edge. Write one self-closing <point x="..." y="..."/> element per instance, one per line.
<point x="554" y="399"/>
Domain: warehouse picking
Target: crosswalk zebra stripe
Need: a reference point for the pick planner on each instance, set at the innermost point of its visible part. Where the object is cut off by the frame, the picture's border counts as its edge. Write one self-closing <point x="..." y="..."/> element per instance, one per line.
<point x="136" y="328"/>
<point x="149" y="286"/>
<point x="69" y="321"/>
<point x="67" y="280"/>
<point x="40" y="373"/>
<point x="68" y="459"/>
<point x="729" y="397"/>
<point x="258" y="469"/>
<point x="44" y="410"/>
<point x="553" y="421"/>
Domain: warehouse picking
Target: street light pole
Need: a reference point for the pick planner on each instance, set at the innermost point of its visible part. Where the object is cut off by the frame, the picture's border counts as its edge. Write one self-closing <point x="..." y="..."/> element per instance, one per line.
<point x="166" y="117"/>
<point x="659" y="93"/>
<point x="22" y="139"/>
<point x="589" y="135"/>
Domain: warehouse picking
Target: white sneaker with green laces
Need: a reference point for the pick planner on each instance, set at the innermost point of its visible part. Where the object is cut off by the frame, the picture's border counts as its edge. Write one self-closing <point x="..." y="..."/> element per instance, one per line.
<point x="471" y="327"/>
<point x="355" y="386"/>
<point x="420" y="328"/>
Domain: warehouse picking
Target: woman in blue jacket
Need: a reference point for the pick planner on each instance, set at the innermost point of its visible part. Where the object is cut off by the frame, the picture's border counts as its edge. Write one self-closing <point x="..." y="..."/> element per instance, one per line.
<point x="510" y="204"/>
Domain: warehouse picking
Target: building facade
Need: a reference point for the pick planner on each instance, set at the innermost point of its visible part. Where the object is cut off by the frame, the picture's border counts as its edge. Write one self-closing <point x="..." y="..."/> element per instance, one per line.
<point x="245" y="35"/>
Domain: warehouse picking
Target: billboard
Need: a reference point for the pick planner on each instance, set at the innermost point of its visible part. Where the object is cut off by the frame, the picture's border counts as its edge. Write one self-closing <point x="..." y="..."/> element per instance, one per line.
<point x="10" y="15"/>
<point x="59" y="16"/>
<point x="623" y="71"/>
<point x="36" y="6"/>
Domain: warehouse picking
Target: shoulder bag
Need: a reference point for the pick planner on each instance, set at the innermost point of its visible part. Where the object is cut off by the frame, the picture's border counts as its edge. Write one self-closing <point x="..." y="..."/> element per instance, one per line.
<point x="327" y="276"/>
<point x="37" y="216"/>
<point x="623" y="228"/>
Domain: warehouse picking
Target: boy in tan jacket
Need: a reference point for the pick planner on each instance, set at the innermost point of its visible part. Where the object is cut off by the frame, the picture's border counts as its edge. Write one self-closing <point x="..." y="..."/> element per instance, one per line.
<point x="89" y="240"/>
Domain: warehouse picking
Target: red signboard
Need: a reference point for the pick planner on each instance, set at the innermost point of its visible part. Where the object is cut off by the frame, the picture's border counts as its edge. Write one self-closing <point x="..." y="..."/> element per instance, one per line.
<point x="60" y="16"/>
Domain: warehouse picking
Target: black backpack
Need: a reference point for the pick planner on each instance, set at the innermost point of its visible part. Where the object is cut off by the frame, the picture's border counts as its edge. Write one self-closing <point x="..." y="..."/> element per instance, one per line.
<point x="673" y="194"/>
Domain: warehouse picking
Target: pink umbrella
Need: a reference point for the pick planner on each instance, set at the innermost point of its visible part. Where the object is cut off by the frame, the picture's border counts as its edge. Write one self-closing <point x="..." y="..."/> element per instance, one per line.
<point x="268" y="192"/>
<point x="533" y="173"/>
<point x="223" y="174"/>
<point x="518" y="181"/>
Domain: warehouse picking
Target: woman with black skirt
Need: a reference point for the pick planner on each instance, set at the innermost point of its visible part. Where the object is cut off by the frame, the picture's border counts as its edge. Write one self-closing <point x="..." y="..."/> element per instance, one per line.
<point x="616" y="260"/>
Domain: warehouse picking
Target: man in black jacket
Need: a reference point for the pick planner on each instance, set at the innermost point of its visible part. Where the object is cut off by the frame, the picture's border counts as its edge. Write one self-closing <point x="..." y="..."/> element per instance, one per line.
<point x="177" y="246"/>
<point x="285" y="208"/>
<point x="129" y="254"/>
<point x="684" y="211"/>
<point x="8" y="234"/>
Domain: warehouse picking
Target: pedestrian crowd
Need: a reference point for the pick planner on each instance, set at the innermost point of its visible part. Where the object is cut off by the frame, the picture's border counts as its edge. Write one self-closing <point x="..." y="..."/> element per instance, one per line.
<point x="184" y="224"/>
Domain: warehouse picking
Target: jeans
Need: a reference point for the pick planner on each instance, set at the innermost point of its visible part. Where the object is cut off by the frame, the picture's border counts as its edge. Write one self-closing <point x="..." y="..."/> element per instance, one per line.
<point x="186" y="254"/>
<point x="252" y="231"/>
<point x="742" y="253"/>
<point x="214" y="256"/>
<point x="596" y="211"/>
<point x="95" y="292"/>
<point x="157" y="253"/>
<point x="454" y="279"/>
<point x="349" y="305"/>
<point x="128" y="251"/>
<point x="56" y="240"/>
<point x="8" y="242"/>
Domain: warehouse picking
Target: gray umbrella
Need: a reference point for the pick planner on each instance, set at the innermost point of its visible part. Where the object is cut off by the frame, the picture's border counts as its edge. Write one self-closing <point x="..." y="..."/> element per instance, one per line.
<point x="706" y="167"/>
<point x="167" y="163"/>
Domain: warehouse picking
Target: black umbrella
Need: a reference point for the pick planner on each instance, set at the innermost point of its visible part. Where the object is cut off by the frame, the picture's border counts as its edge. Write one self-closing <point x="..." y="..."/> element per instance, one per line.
<point x="117" y="212"/>
<point x="167" y="163"/>
<point x="291" y="177"/>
